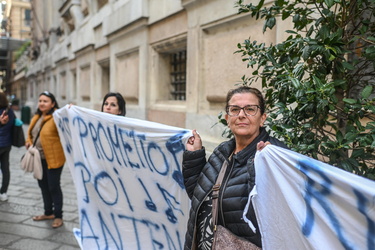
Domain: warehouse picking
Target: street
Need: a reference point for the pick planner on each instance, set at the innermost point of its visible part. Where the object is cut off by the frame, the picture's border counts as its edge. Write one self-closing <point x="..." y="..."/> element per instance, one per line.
<point x="17" y="229"/>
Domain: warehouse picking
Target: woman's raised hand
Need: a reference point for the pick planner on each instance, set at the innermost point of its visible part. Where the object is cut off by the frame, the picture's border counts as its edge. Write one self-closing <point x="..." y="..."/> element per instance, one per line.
<point x="261" y="145"/>
<point x="194" y="142"/>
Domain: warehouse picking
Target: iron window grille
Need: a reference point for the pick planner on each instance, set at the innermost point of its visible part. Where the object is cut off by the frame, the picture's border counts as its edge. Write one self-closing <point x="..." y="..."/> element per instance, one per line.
<point x="178" y="75"/>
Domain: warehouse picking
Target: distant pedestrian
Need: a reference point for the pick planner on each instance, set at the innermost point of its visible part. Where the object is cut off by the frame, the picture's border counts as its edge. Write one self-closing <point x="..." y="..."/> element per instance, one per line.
<point x="6" y="124"/>
<point x="114" y="103"/>
<point x="52" y="155"/>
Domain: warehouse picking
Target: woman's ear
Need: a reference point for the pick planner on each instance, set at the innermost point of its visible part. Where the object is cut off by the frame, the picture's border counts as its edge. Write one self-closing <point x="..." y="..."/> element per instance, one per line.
<point x="263" y="119"/>
<point x="227" y="119"/>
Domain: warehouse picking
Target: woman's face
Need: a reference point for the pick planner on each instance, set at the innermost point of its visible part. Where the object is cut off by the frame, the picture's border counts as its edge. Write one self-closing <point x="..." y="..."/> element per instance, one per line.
<point x="45" y="104"/>
<point x="111" y="106"/>
<point x="243" y="125"/>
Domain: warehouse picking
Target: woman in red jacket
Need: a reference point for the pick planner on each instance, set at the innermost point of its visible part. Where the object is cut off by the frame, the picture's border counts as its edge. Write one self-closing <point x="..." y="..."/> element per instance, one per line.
<point x="43" y="133"/>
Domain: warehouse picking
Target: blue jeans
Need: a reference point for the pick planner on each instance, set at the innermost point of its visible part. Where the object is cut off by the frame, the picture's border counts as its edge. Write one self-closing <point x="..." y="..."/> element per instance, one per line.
<point x="4" y="161"/>
<point x="51" y="190"/>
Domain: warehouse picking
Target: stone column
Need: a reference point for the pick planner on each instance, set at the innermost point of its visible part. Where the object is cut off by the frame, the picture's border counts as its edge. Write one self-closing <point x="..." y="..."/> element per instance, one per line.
<point x="75" y="11"/>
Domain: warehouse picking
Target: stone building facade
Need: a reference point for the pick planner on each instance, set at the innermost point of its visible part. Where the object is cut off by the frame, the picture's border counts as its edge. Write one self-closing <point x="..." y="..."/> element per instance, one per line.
<point x="15" y="30"/>
<point x="173" y="60"/>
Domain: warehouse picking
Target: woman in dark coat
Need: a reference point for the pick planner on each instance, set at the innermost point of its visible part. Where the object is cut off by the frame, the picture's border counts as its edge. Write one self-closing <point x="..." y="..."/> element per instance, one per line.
<point x="6" y="125"/>
<point x="245" y="115"/>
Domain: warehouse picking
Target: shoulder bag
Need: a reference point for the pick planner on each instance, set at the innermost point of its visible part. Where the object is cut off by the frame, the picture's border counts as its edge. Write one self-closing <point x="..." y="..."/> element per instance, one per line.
<point x="223" y="238"/>
<point x="18" y="137"/>
<point x="31" y="161"/>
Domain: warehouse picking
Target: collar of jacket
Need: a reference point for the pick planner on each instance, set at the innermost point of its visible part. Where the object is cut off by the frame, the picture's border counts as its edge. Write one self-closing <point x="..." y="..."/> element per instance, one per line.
<point x="250" y="149"/>
<point x="46" y="117"/>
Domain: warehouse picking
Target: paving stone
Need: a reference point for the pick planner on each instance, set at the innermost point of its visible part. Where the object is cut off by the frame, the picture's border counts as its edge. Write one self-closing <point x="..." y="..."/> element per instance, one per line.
<point x="20" y="209"/>
<point x="25" y="230"/>
<point x="7" y="239"/>
<point x="70" y="225"/>
<point x="17" y="229"/>
<point x="22" y="201"/>
<point x="27" y="244"/>
<point x="64" y="238"/>
<point x="69" y="206"/>
<point x="11" y="217"/>
<point x="67" y="247"/>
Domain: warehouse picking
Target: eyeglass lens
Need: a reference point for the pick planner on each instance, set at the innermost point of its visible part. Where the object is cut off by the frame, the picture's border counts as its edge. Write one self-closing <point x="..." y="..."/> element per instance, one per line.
<point x="248" y="109"/>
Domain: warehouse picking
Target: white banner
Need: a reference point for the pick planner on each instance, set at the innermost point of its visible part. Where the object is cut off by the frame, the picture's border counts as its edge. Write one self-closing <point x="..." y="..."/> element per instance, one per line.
<point x="128" y="177"/>
<point x="302" y="203"/>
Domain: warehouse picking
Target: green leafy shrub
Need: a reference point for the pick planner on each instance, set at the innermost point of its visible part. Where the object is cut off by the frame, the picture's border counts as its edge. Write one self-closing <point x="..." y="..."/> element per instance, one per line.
<point x="319" y="82"/>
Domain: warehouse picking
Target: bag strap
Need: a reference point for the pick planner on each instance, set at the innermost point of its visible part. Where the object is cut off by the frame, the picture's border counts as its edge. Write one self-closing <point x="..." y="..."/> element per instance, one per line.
<point x="37" y="136"/>
<point x="215" y="194"/>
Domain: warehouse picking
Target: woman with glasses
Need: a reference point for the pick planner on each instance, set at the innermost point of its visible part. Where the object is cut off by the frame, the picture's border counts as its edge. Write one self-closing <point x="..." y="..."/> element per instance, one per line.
<point x="42" y="133"/>
<point x="245" y="116"/>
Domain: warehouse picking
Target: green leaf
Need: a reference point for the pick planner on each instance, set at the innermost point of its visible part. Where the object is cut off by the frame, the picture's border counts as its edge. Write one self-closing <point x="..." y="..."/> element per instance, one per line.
<point x="348" y="66"/>
<point x="306" y="52"/>
<point x="346" y="166"/>
<point x="349" y="101"/>
<point x="370" y="50"/>
<point x="351" y="136"/>
<point x="260" y="4"/>
<point x="295" y="82"/>
<point x="367" y="91"/>
<point x="285" y="15"/>
<point x="291" y="32"/>
<point x="270" y="23"/>
<point x="296" y="18"/>
<point x="358" y="153"/>
<point x="339" y="136"/>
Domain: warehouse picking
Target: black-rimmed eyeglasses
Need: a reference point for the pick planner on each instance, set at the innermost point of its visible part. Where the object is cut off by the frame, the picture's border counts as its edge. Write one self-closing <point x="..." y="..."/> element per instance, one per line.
<point x="249" y="110"/>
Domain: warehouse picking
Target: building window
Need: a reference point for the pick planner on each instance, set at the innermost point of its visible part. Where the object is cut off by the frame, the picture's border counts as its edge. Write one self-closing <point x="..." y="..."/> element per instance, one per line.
<point x="178" y="75"/>
<point x="170" y="69"/>
<point x="27" y="19"/>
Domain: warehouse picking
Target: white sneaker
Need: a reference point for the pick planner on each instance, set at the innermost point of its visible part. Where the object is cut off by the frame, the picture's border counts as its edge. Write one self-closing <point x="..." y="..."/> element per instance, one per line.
<point x="3" y="197"/>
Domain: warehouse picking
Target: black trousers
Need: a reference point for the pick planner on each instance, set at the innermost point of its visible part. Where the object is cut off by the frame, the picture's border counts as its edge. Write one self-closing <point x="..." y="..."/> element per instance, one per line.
<point x="4" y="161"/>
<point x="51" y="190"/>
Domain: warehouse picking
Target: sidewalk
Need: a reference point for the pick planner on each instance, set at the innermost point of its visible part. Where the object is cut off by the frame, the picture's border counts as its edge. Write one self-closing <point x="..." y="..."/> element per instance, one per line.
<point x="17" y="229"/>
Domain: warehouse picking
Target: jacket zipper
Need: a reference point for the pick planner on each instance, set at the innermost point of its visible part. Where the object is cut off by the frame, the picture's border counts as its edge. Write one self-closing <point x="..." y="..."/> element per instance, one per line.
<point x="222" y="188"/>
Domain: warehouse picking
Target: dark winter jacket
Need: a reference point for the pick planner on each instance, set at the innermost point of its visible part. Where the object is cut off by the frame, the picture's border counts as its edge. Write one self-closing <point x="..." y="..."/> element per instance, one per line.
<point x="6" y="129"/>
<point x="200" y="176"/>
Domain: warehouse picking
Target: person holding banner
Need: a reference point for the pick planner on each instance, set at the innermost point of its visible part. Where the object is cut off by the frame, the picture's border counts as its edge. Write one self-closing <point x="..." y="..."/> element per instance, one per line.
<point x="114" y="103"/>
<point x="245" y="116"/>
<point x="6" y="125"/>
<point x="43" y="133"/>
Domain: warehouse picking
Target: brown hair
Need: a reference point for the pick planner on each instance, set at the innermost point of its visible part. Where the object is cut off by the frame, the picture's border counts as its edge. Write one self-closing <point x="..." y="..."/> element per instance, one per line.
<point x="3" y="100"/>
<point x="247" y="89"/>
<point x="53" y="99"/>
<point x="120" y="102"/>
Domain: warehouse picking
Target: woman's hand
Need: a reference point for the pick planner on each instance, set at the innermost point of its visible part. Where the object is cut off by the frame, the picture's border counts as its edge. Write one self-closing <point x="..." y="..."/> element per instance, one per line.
<point x="4" y="118"/>
<point x="27" y="145"/>
<point x="194" y="142"/>
<point x="261" y="145"/>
